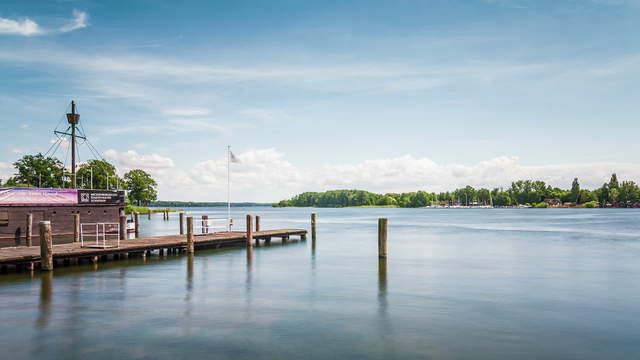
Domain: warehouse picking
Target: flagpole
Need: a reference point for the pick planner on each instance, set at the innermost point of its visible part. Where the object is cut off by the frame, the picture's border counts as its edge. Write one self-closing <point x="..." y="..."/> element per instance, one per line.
<point x="228" y="188"/>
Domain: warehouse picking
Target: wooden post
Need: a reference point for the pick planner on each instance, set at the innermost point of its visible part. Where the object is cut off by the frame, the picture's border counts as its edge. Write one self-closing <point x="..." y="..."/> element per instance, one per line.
<point x="17" y="236"/>
<point x="190" y="245"/>
<point x="257" y="223"/>
<point x="313" y="227"/>
<point x="382" y="238"/>
<point x="167" y="212"/>
<point x="123" y="227"/>
<point x="136" y="219"/>
<point x="182" y="223"/>
<point x="29" y="229"/>
<point x="76" y="228"/>
<point x="46" y="246"/>
<point x="149" y="215"/>
<point x="205" y="224"/>
<point x="249" y="231"/>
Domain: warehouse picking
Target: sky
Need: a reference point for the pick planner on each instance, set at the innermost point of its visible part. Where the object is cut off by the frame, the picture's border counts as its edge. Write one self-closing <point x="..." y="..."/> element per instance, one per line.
<point x="385" y="96"/>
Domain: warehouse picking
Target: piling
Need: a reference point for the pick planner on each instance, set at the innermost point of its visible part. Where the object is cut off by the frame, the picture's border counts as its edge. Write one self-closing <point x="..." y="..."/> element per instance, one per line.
<point x="190" y="245"/>
<point x="205" y="224"/>
<point x="382" y="238"/>
<point x="46" y="246"/>
<point x="167" y="213"/>
<point x="313" y="227"/>
<point x="29" y="226"/>
<point x="123" y="227"/>
<point x="257" y="223"/>
<point x="249" y="231"/>
<point x="76" y="228"/>
<point x="182" y="223"/>
<point x="149" y="214"/>
<point x="17" y="236"/>
<point x="136" y="218"/>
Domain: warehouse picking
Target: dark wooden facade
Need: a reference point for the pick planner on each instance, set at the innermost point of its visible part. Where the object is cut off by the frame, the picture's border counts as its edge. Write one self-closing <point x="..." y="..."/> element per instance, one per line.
<point x="61" y="217"/>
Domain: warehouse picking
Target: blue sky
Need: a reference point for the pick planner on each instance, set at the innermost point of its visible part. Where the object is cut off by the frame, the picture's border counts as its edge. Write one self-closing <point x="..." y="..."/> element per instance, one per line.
<point x="383" y="96"/>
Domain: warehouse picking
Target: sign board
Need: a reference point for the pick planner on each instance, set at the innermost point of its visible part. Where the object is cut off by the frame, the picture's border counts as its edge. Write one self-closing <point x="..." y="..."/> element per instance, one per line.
<point x="100" y="197"/>
<point x="34" y="196"/>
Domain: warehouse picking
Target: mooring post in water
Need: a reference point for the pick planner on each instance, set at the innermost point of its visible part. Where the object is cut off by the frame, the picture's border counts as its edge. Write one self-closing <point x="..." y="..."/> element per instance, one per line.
<point x="182" y="223"/>
<point x="382" y="238"/>
<point x="123" y="227"/>
<point x="149" y="214"/>
<point x="313" y="227"/>
<point x="17" y="236"/>
<point x="249" y="231"/>
<point x="190" y="245"/>
<point x="257" y="223"/>
<point x="28" y="239"/>
<point x="167" y="215"/>
<point x="136" y="219"/>
<point x="46" y="246"/>
<point x="76" y="228"/>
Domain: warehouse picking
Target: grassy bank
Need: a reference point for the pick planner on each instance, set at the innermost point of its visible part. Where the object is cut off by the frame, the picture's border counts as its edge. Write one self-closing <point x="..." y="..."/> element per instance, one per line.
<point x="129" y="209"/>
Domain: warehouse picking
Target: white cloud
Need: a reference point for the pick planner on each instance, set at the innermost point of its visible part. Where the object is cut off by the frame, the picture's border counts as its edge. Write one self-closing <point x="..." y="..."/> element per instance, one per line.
<point x="79" y="21"/>
<point x="17" y="151"/>
<point x="28" y="27"/>
<point x="128" y="160"/>
<point x="6" y="171"/>
<point x="266" y="175"/>
<point x="265" y="114"/>
<point x="24" y="126"/>
<point x="187" y="112"/>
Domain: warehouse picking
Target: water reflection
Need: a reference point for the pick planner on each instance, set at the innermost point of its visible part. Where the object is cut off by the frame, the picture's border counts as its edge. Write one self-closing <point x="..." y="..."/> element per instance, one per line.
<point x="248" y="283"/>
<point x="382" y="288"/>
<point x="46" y="288"/>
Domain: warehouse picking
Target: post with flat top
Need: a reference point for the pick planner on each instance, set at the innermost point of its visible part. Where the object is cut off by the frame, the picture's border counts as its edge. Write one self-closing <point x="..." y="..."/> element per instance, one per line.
<point x="190" y="244"/>
<point x="182" y="223"/>
<point x="29" y="229"/>
<point x="249" y="231"/>
<point x="136" y="219"/>
<point x="76" y="228"/>
<point x="123" y="227"/>
<point x="382" y="238"/>
<point x="46" y="246"/>
<point x="257" y="223"/>
<point x="313" y="227"/>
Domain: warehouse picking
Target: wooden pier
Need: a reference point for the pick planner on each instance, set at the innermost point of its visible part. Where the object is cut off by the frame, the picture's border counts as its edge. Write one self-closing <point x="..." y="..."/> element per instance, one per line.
<point x="30" y="255"/>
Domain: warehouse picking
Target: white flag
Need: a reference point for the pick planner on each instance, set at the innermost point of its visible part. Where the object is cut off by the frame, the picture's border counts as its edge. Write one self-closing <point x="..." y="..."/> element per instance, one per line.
<point x="233" y="158"/>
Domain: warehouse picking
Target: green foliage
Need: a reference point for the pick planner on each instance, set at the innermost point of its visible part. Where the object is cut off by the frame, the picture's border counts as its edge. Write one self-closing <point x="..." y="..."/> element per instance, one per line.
<point x="590" y="204"/>
<point x="142" y="187"/>
<point x="104" y="175"/>
<point x="38" y="170"/>
<point x="541" y="205"/>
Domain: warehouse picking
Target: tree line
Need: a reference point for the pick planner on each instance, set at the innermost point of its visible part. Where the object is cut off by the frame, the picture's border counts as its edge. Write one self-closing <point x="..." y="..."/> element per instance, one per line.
<point x="49" y="172"/>
<point x="522" y="192"/>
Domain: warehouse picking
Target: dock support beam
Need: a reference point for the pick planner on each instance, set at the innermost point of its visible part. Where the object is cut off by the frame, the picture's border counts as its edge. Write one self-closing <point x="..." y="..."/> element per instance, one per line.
<point x="182" y="223"/>
<point x="257" y="223"/>
<point x="46" y="246"/>
<point x="123" y="227"/>
<point x="190" y="245"/>
<point x="136" y="219"/>
<point x="28" y="239"/>
<point x="249" y="231"/>
<point x="76" y="228"/>
<point x="382" y="238"/>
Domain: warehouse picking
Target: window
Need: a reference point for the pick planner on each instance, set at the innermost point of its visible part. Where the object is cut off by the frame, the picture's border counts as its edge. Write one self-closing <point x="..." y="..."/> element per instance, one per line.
<point x="4" y="218"/>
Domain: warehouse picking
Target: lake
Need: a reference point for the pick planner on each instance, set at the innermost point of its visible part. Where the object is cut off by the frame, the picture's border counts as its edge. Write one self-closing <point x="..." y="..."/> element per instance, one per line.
<point x="458" y="284"/>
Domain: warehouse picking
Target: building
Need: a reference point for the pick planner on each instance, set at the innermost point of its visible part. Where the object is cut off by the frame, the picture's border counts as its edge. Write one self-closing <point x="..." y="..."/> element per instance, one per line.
<point x="57" y="206"/>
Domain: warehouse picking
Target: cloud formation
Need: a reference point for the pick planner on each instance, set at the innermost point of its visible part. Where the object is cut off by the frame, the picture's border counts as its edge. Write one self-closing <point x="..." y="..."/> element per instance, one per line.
<point x="267" y="175"/>
<point x="28" y="27"/>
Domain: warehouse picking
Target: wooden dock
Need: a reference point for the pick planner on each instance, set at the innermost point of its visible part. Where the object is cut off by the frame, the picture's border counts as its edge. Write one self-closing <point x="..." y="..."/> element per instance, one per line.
<point x="30" y="255"/>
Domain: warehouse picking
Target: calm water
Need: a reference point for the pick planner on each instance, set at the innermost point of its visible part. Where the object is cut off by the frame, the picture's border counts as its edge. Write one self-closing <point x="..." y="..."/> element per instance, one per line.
<point x="458" y="284"/>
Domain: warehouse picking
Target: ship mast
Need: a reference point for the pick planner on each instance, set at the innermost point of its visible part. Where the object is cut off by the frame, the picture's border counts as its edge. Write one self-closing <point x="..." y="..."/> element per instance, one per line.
<point x="73" y="119"/>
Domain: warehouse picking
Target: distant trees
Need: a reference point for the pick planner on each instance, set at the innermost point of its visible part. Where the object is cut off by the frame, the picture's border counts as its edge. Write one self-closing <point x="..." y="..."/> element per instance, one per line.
<point x="99" y="174"/>
<point x="38" y="170"/>
<point x="142" y="187"/>
<point x="521" y="192"/>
